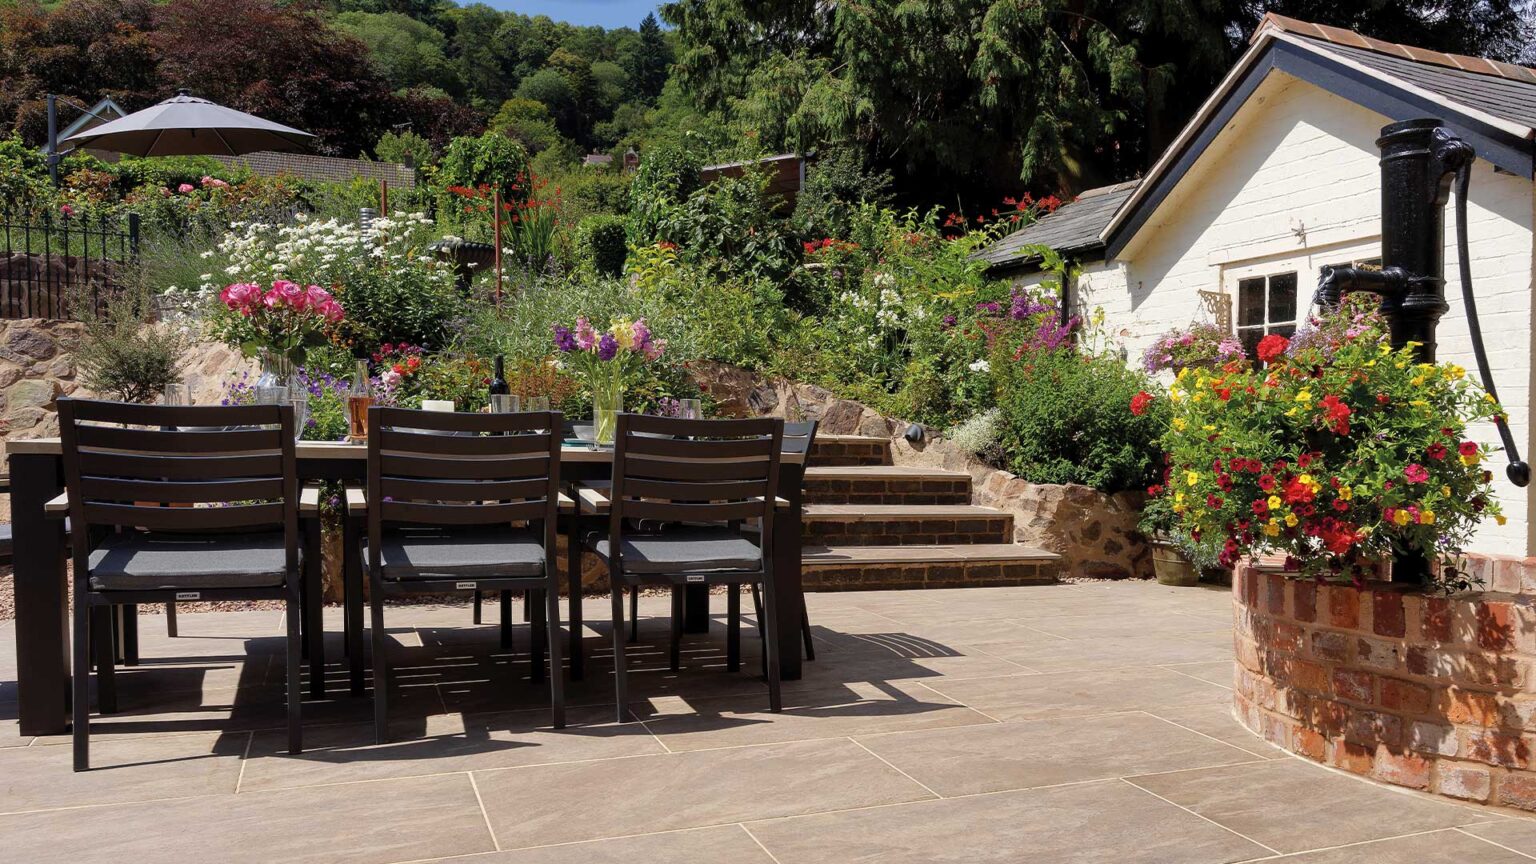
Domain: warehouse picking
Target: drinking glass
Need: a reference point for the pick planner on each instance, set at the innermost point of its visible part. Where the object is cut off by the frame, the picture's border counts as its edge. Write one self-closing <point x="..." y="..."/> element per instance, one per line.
<point x="504" y="403"/>
<point x="536" y="403"/>
<point x="300" y="412"/>
<point x="177" y="394"/>
<point x="689" y="409"/>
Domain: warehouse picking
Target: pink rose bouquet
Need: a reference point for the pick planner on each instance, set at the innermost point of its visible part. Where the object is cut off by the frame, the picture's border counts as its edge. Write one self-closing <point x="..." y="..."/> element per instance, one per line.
<point x="284" y="320"/>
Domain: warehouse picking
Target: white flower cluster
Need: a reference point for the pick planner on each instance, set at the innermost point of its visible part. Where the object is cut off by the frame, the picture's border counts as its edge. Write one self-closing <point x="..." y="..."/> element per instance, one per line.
<point x="324" y="252"/>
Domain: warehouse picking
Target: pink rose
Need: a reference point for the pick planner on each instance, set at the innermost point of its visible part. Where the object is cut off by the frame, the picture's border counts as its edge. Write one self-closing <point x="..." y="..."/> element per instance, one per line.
<point x="241" y="295"/>
<point x="317" y="297"/>
<point x="289" y="294"/>
<point x="332" y="311"/>
<point x="185" y="188"/>
<point x="214" y="182"/>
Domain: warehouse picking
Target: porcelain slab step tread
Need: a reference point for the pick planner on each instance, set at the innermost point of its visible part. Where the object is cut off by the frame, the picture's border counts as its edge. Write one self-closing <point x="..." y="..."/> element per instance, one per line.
<point x="891" y="512"/>
<point x="811" y="555"/>
<point x="881" y="472"/>
<point x="852" y="439"/>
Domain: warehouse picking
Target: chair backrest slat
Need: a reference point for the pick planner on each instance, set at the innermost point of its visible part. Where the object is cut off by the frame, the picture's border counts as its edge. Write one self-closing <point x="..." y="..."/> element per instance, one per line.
<point x="442" y="468"/>
<point x="242" y="476"/>
<point x="704" y="471"/>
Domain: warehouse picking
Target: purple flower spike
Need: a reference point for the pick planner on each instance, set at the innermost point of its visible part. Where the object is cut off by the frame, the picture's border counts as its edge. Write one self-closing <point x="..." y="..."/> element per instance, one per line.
<point x="565" y="340"/>
<point x="607" y="347"/>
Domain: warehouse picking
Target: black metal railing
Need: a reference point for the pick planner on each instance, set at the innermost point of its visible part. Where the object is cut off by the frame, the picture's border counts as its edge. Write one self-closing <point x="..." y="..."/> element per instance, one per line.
<point x="50" y="262"/>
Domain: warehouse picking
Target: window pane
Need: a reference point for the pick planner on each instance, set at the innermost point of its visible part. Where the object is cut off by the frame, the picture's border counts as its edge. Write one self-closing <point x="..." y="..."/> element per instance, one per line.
<point x="1286" y="330"/>
<point x="1282" y="297"/>
<point x="1250" y="340"/>
<point x="1250" y="302"/>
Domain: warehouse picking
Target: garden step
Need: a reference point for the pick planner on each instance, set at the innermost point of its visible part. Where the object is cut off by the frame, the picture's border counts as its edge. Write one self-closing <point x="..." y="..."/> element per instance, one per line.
<point x="850" y="450"/>
<point x="885" y="484"/>
<point x="905" y="524"/>
<point x="867" y="568"/>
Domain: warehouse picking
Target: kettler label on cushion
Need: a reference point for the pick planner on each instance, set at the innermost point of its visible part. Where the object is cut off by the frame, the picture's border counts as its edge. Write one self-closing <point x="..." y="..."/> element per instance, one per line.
<point x="463" y="584"/>
<point x="189" y="595"/>
<point x="698" y="578"/>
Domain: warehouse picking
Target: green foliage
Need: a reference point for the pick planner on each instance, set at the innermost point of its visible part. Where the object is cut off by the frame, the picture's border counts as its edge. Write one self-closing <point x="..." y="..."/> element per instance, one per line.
<point x="124" y="354"/>
<point x="836" y="185"/>
<point x="667" y="175"/>
<point x="490" y="160"/>
<point x="704" y="315"/>
<point x="1064" y="420"/>
<point x="406" y="52"/>
<point x="601" y="244"/>
<point x="404" y="147"/>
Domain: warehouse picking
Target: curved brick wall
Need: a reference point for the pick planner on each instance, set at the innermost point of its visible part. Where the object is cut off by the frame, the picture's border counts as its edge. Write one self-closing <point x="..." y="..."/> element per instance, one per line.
<point x="1428" y="692"/>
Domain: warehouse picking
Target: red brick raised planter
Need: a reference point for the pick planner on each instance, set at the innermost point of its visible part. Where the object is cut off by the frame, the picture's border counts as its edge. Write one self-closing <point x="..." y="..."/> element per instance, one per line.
<point x="1423" y="691"/>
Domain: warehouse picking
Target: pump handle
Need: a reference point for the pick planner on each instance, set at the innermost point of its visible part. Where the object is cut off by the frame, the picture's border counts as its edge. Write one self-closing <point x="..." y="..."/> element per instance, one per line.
<point x="1519" y="472"/>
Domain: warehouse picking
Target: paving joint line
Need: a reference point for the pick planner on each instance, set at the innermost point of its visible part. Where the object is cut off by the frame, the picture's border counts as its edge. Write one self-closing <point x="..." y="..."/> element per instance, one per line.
<point x="250" y="737"/>
<point x="484" y="814"/>
<point x="887" y="763"/>
<point x="771" y="857"/>
<point x="1155" y="716"/>
<point x="1231" y="831"/>
<point x="1461" y="829"/>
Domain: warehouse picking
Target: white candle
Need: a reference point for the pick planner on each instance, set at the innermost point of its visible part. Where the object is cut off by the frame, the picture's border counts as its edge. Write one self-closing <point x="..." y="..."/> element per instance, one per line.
<point x="437" y="405"/>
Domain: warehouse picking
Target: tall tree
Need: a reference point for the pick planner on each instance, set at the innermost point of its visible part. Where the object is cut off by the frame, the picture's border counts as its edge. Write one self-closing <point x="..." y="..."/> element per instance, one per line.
<point x="647" y="60"/>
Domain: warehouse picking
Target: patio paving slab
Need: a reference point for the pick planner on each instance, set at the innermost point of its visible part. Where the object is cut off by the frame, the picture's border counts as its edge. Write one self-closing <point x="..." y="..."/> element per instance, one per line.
<point x="1217" y="722"/>
<point x="355" y="823"/>
<point x="1517" y="834"/>
<point x="1292" y="806"/>
<point x="726" y="844"/>
<point x="1024" y="754"/>
<point x="1436" y="847"/>
<point x="1100" y="822"/>
<point x="139" y="768"/>
<point x="590" y="800"/>
<point x="1066" y="694"/>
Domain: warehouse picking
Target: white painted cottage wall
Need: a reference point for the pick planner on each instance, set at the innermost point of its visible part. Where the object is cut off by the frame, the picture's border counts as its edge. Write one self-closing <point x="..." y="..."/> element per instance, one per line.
<point x="1294" y="178"/>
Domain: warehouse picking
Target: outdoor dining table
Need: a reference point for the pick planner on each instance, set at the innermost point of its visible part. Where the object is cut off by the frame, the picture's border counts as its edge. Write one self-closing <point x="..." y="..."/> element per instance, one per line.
<point x="42" y="608"/>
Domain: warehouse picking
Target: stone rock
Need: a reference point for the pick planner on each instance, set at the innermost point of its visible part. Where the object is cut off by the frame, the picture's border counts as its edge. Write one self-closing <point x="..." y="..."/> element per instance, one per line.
<point x="33" y="393"/>
<point x="31" y="342"/>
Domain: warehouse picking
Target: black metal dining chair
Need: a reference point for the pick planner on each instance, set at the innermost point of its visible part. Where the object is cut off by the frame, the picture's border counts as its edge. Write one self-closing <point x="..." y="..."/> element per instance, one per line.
<point x="691" y="483"/>
<point x="239" y="540"/>
<point x="799" y="440"/>
<point x="474" y="511"/>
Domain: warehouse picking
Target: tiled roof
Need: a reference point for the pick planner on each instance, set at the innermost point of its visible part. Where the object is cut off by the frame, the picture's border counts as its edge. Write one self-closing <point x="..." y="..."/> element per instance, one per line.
<point x="1503" y="90"/>
<point x="1074" y="227"/>
<point x="323" y="168"/>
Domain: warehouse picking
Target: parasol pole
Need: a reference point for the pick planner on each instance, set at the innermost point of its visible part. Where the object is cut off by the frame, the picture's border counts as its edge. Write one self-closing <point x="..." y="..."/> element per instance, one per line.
<point x="384" y="198"/>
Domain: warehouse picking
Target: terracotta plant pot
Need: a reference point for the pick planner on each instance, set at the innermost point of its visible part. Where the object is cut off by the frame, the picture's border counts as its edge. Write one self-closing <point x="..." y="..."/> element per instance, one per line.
<point x="1171" y="567"/>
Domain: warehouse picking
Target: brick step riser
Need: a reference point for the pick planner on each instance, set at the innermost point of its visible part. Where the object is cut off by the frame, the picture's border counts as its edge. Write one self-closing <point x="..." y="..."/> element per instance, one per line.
<point x="818" y="491"/>
<point x="840" y="454"/>
<point x="908" y="532"/>
<point x="971" y="574"/>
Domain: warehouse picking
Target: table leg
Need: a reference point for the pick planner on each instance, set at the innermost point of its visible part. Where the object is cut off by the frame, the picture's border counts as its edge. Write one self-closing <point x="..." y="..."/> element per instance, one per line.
<point x="788" y="591"/>
<point x="352" y="579"/>
<point x="42" y="615"/>
<point x="696" y="609"/>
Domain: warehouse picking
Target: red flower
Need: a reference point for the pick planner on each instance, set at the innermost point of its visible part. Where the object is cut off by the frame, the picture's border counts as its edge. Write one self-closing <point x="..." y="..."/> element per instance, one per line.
<point x="1435" y="451"/>
<point x="1416" y="473"/>
<point x="1297" y="492"/>
<point x="1155" y="491"/>
<point x="1139" y="403"/>
<point x="1267" y="482"/>
<point x="1259" y="507"/>
<point x="1467" y="448"/>
<point x="1340" y="504"/>
<point x="1213" y="502"/>
<point x="1382" y="398"/>
<point x="1271" y="347"/>
<point x="1304" y="460"/>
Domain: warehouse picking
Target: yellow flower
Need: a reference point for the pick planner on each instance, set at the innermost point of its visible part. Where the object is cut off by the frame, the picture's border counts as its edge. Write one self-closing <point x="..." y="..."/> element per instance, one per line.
<point x="1402" y="517"/>
<point x="624" y="333"/>
<point x="1304" y="396"/>
<point x="1418" y="403"/>
<point x="1192" y="477"/>
<point x="1446" y="491"/>
<point x="1499" y="518"/>
<point x="1183" y="373"/>
<point x="1454" y="372"/>
<point x="1208" y="428"/>
<point x="1427" y="517"/>
<point x="1272" y="528"/>
<point x="1291" y="520"/>
<point x="1179" y="424"/>
<point x="1291" y="412"/>
<point x="1470" y="460"/>
<point x="1274" y="502"/>
<point x="1178" y="497"/>
<point x="1346" y="492"/>
<point x="1417" y="380"/>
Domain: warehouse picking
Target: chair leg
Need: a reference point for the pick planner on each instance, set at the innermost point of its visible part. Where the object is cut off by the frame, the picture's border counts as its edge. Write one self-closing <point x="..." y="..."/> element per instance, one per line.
<point x="676" y="657"/>
<point x="757" y="604"/>
<point x="535" y="603"/>
<point x="733" y="628"/>
<point x="620" y="674"/>
<point x="101" y="637"/>
<point x="506" y="620"/>
<point x="528" y="601"/>
<point x="479" y="617"/>
<point x="170" y="620"/>
<point x="313" y="625"/>
<point x="771" y="644"/>
<point x="634" y="614"/>
<point x="556" y="666"/>
<point x="82" y="685"/>
<point x="805" y="634"/>
<point x="573" y="586"/>
<point x="380" y="664"/>
<point x="128" y="618"/>
<point x="295" y="687"/>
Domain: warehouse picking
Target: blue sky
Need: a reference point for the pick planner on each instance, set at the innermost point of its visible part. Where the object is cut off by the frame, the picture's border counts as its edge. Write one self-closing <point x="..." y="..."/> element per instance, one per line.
<point x="604" y="13"/>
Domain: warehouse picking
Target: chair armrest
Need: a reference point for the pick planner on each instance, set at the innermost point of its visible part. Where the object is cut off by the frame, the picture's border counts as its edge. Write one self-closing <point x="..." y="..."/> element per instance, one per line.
<point x="57" y="507"/>
<point x="567" y="505"/>
<point x="5" y="484"/>
<point x="592" y="501"/>
<point x="357" y="501"/>
<point x="309" y="499"/>
<point x="778" y="503"/>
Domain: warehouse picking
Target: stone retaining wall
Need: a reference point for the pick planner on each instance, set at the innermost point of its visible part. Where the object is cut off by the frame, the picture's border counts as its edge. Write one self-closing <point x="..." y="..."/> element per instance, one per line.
<point x="1427" y="692"/>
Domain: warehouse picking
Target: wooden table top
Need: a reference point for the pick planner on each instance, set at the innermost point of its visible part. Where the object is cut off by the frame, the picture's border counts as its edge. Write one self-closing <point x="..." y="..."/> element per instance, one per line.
<point x="337" y="450"/>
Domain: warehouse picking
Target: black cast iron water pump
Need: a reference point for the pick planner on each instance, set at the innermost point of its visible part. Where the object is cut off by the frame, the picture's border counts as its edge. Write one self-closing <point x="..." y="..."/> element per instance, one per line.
<point x="1420" y="159"/>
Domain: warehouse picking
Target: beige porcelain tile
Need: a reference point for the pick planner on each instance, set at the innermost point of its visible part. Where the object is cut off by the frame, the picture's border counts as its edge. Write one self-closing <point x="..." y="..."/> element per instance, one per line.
<point x="134" y="769"/>
<point x="890" y="660"/>
<point x="1517" y="834"/>
<point x="1439" y="847"/>
<point x="936" y="634"/>
<point x="830" y="712"/>
<point x="726" y="844"/>
<point x="1094" y="625"/>
<point x="1025" y="697"/>
<point x="1094" y="823"/>
<point x="1108" y="653"/>
<point x="1032" y="753"/>
<point x="362" y="823"/>
<point x="1218" y="672"/>
<point x="1217" y="721"/>
<point x="1321" y="808"/>
<point x="548" y="804"/>
<point x="441" y="744"/>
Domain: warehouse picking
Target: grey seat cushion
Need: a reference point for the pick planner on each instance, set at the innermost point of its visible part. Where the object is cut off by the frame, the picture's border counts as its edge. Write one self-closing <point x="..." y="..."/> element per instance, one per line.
<point x="438" y="553"/>
<point x="134" y="561"/>
<point x="683" y="550"/>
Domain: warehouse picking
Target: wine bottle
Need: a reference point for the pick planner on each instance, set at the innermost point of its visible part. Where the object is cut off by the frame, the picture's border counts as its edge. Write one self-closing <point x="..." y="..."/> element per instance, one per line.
<point x="359" y="400"/>
<point x="499" y="377"/>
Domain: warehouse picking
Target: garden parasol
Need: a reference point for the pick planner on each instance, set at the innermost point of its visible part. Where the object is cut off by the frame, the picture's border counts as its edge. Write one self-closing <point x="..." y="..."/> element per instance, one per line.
<point x="185" y="125"/>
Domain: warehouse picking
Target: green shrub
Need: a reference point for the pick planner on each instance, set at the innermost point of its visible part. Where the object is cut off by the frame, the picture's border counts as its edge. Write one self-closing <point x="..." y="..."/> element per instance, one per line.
<point x="667" y="175"/>
<point x="1065" y="420"/>
<point x="602" y="245"/>
<point x="491" y="160"/>
<point x="124" y="354"/>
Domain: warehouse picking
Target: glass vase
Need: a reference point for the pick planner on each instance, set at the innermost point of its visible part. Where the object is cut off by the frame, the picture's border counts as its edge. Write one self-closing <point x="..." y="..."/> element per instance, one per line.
<point x="277" y="370"/>
<point x="607" y="404"/>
